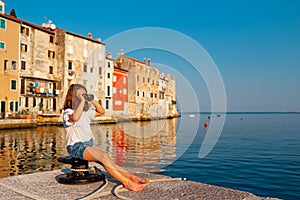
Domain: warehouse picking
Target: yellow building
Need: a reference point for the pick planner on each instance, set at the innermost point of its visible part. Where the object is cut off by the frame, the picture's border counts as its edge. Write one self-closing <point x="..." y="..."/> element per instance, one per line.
<point x="9" y="62"/>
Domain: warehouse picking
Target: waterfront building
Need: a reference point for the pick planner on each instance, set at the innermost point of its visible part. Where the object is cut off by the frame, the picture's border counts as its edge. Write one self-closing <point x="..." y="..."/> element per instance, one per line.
<point x="120" y="91"/>
<point x="38" y="68"/>
<point x="39" y="63"/>
<point x="107" y="85"/>
<point x="9" y="62"/>
<point x="149" y="94"/>
<point x="81" y="60"/>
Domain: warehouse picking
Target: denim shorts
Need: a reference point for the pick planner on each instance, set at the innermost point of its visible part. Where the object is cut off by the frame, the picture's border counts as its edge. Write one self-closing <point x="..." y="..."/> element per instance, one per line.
<point x="76" y="150"/>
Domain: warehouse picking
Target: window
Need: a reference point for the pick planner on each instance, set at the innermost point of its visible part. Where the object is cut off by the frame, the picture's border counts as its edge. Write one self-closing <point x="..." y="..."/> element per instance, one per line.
<point x="108" y="90"/>
<point x="70" y="65"/>
<point x="124" y="91"/>
<point x="23" y="87"/>
<point x="108" y="64"/>
<point x="13" y="84"/>
<point x="13" y="65"/>
<point x="138" y="93"/>
<point x="23" y="65"/>
<point x="2" y="23"/>
<point x="50" y="69"/>
<point x="100" y="70"/>
<point x="5" y="64"/>
<point x="51" y="54"/>
<point x="148" y="79"/>
<point x="2" y="45"/>
<point x="70" y="49"/>
<point x="11" y="106"/>
<point x="1" y="8"/>
<point x="138" y="78"/>
<point x="114" y="79"/>
<point x="92" y="69"/>
<point x="124" y="80"/>
<point x="51" y="39"/>
<point x="108" y="75"/>
<point x="84" y="67"/>
<point x="107" y="104"/>
<point x="25" y="30"/>
<point x="23" y="47"/>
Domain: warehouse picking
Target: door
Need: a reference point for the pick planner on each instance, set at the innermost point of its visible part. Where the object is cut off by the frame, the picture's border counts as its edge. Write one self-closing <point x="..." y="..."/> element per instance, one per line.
<point x="2" y="109"/>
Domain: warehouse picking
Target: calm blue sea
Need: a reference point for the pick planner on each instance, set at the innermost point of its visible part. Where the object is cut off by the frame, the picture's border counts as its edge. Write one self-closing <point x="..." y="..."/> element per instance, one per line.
<point x="257" y="152"/>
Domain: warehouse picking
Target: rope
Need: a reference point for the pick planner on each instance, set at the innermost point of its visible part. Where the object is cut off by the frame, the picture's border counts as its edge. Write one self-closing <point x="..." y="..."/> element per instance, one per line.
<point x="80" y="170"/>
<point x="116" y="192"/>
<point x="92" y="194"/>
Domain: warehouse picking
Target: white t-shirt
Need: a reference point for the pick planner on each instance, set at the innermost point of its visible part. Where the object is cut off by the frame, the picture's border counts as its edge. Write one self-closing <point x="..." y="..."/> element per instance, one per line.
<point x="79" y="131"/>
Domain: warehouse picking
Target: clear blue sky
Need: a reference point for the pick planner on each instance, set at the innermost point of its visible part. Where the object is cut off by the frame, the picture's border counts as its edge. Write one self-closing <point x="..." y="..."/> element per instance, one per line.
<point x="254" y="43"/>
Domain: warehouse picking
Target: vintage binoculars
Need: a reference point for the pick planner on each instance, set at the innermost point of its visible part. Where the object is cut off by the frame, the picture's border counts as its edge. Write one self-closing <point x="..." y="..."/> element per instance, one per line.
<point x="88" y="97"/>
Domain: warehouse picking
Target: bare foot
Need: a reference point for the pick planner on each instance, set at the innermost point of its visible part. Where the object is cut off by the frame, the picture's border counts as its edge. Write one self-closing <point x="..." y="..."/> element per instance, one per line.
<point x="139" y="179"/>
<point x="130" y="185"/>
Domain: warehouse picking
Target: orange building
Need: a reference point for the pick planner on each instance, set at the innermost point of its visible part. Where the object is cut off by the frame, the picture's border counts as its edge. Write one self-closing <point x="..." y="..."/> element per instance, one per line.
<point x="9" y="62"/>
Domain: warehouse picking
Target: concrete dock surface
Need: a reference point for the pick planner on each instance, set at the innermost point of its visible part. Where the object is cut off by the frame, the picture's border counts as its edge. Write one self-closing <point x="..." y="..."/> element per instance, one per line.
<point x="43" y="185"/>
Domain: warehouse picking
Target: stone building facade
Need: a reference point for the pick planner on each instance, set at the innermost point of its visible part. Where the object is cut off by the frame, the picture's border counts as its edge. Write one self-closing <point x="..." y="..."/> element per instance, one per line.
<point x="81" y="60"/>
<point x="38" y="68"/>
<point x="149" y="94"/>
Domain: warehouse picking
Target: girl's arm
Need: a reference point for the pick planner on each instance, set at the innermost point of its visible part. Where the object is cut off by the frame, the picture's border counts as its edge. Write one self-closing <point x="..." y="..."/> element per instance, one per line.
<point x="77" y="113"/>
<point x="99" y="108"/>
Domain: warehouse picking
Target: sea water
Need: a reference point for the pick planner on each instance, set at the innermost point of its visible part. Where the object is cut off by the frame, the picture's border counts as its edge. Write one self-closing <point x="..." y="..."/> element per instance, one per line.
<point x="256" y="152"/>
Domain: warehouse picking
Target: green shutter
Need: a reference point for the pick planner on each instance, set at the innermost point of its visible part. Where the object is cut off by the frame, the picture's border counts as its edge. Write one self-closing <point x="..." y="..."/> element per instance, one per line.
<point x="2" y="23"/>
<point x="2" y="45"/>
<point x="13" y="84"/>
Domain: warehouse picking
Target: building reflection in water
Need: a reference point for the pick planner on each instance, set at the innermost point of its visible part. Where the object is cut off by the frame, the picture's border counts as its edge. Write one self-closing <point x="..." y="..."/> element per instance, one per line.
<point x="135" y="145"/>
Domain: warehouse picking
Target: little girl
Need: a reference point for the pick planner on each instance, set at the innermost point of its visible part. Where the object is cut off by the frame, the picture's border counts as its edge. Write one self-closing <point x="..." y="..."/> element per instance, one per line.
<point x="76" y="119"/>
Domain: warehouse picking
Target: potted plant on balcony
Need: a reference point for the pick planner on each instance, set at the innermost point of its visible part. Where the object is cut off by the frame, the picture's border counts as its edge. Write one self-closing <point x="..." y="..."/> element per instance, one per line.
<point x="24" y="114"/>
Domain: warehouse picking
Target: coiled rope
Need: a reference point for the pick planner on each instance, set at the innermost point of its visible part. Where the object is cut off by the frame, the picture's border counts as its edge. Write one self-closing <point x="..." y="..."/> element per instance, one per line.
<point x="97" y="190"/>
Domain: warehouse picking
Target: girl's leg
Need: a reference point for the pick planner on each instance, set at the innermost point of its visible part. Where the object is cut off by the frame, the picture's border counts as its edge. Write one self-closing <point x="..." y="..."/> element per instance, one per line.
<point x="96" y="154"/>
<point x="130" y="175"/>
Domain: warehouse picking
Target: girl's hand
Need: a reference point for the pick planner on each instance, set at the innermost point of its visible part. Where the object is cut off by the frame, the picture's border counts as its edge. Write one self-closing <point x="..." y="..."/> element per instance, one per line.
<point x="81" y="97"/>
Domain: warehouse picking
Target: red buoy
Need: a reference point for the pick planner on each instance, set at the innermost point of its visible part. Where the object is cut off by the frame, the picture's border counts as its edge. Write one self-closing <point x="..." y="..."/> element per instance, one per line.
<point x="206" y="125"/>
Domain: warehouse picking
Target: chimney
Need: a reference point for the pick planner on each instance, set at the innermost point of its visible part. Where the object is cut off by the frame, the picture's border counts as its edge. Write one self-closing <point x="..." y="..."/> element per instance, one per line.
<point x="98" y="39"/>
<point x="121" y="52"/>
<point x="109" y="55"/>
<point x="149" y="61"/>
<point x="90" y="36"/>
<point x="120" y="64"/>
<point x="145" y="60"/>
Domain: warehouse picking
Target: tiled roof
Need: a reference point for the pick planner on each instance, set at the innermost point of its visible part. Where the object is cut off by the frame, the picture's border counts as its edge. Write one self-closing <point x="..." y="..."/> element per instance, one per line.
<point x="18" y="20"/>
